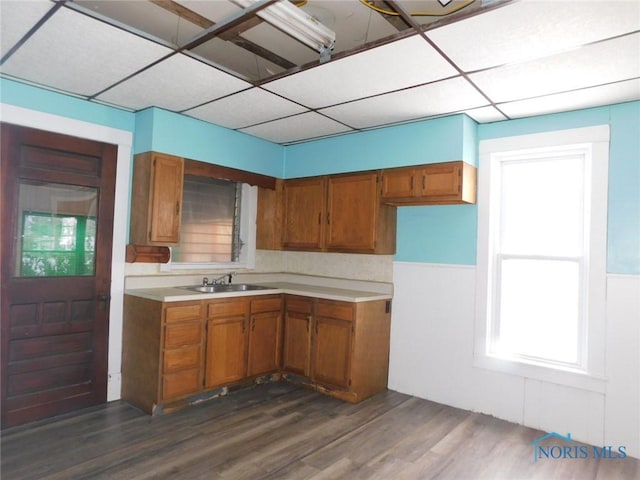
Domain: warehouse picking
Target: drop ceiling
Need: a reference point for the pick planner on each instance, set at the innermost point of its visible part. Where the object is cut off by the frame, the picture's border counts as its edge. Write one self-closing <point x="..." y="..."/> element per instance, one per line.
<point x="394" y="61"/>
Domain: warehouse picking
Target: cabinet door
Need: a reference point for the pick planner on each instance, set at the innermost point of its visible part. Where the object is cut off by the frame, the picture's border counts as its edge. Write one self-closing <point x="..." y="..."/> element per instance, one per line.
<point x="225" y="360"/>
<point x="296" y="350"/>
<point x="269" y="218"/>
<point x="304" y="213"/>
<point x="332" y="351"/>
<point x="398" y="183"/>
<point x="166" y="198"/>
<point x="264" y="343"/>
<point x="440" y="180"/>
<point x="352" y="212"/>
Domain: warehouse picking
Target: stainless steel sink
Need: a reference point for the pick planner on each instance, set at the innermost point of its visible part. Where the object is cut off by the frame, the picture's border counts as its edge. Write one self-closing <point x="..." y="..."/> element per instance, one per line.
<point x="223" y="288"/>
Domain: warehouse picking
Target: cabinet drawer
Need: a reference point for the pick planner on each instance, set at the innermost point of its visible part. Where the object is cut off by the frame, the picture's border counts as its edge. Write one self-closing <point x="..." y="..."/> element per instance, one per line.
<point x="266" y="304"/>
<point x="227" y="308"/>
<point x="178" y="384"/>
<point x="181" y="359"/>
<point x="340" y="310"/>
<point x="182" y="335"/>
<point x="182" y="313"/>
<point x="301" y="305"/>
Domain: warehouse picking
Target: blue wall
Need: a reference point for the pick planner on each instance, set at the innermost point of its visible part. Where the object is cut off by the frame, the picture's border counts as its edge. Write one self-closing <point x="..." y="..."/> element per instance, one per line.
<point x="438" y="234"/>
<point x="623" y="236"/>
<point x="429" y="141"/>
<point x="168" y="132"/>
<point x="27" y="96"/>
<point x="447" y="234"/>
<point x="156" y="129"/>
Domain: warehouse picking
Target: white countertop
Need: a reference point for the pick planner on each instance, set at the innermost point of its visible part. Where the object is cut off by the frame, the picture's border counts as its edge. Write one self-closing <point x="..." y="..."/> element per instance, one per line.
<point x="178" y="294"/>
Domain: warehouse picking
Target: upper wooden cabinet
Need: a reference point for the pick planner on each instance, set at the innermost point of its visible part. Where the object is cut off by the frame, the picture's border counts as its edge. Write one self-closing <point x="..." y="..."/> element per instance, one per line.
<point x="269" y="217"/>
<point x="337" y="213"/>
<point x="357" y="221"/>
<point x="304" y="213"/>
<point x="433" y="184"/>
<point x="156" y="202"/>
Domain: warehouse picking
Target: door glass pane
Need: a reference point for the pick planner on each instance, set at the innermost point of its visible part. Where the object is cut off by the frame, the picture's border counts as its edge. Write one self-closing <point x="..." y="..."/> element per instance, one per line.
<point x="56" y="230"/>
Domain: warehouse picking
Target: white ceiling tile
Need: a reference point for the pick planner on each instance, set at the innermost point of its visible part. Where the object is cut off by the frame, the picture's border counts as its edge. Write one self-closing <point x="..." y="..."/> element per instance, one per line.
<point x="16" y="19"/>
<point x="246" y="108"/>
<point x="562" y="102"/>
<point x="177" y="83"/>
<point x="485" y="114"/>
<point x="404" y="63"/>
<point x="532" y="29"/>
<point x="296" y="128"/>
<point x="76" y="53"/>
<point x="446" y="96"/>
<point x="596" y="64"/>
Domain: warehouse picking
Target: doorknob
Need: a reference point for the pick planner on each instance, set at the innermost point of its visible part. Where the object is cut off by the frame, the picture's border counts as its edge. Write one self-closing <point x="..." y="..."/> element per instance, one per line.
<point x="103" y="300"/>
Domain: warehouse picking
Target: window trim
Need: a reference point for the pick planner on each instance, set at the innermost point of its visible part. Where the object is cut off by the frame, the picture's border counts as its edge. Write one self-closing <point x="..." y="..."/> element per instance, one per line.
<point x="592" y="375"/>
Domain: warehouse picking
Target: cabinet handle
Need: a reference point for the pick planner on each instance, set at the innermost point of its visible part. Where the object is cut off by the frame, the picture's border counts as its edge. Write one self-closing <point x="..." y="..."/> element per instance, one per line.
<point x="319" y="218"/>
<point x="243" y="325"/>
<point x="253" y="325"/>
<point x="411" y="183"/>
<point x="328" y="218"/>
<point x="424" y="182"/>
<point x="177" y="208"/>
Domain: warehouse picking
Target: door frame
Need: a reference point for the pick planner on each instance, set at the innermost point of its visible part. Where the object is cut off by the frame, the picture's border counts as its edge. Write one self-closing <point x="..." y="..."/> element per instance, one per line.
<point x="124" y="140"/>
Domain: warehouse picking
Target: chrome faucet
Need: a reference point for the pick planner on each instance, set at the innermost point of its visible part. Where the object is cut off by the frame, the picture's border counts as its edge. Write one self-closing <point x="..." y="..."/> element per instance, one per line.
<point x="219" y="280"/>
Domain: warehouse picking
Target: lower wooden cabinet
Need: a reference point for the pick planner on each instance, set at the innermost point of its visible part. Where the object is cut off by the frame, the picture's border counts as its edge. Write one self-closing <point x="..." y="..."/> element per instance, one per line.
<point x="342" y="348"/>
<point x="297" y="335"/>
<point x="173" y="351"/>
<point x="226" y="360"/>
<point x="265" y="334"/>
<point x="180" y="350"/>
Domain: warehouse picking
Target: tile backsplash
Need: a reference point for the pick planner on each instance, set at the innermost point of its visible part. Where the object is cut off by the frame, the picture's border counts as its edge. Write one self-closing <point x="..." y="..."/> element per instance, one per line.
<point x="376" y="268"/>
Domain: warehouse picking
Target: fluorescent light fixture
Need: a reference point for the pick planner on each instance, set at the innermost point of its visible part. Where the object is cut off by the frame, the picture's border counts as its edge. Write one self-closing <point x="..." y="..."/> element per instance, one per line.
<point x="296" y="22"/>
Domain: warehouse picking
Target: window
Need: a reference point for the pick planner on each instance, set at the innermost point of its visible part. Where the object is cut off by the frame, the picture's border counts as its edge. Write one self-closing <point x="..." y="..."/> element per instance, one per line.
<point x="57" y="230"/>
<point x="218" y="224"/>
<point x="542" y="252"/>
<point x="57" y="245"/>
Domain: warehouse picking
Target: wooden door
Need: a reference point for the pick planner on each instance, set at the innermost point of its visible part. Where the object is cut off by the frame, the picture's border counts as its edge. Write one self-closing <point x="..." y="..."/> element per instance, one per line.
<point x="226" y="353"/>
<point x="57" y="223"/>
<point x="304" y="213"/>
<point x="352" y="212"/>
<point x="297" y="336"/>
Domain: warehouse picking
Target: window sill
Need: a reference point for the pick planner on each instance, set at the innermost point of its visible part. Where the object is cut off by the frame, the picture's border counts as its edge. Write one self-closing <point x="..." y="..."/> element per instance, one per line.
<point x="561" y="376"/>
<point x="172" y="267"/>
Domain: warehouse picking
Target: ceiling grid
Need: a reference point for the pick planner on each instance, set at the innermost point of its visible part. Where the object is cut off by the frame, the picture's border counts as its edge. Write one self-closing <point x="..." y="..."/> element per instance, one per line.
<point x="221" y="63"/>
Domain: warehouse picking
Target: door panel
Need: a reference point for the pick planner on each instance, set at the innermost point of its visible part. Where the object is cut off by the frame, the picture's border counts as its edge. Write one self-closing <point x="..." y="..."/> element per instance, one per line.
<point x="57" y="223"/>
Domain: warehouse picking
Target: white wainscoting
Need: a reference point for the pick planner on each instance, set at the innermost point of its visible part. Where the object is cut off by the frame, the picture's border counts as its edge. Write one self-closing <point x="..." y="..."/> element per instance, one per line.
<point x="432" y="337"/>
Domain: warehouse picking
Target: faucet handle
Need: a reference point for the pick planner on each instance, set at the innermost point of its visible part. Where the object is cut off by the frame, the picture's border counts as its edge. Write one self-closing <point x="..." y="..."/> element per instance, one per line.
<point x="205" y="281"/>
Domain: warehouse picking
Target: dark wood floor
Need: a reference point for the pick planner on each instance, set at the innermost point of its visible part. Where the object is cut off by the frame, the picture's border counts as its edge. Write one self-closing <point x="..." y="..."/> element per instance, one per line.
<point x="278" y="431"/>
